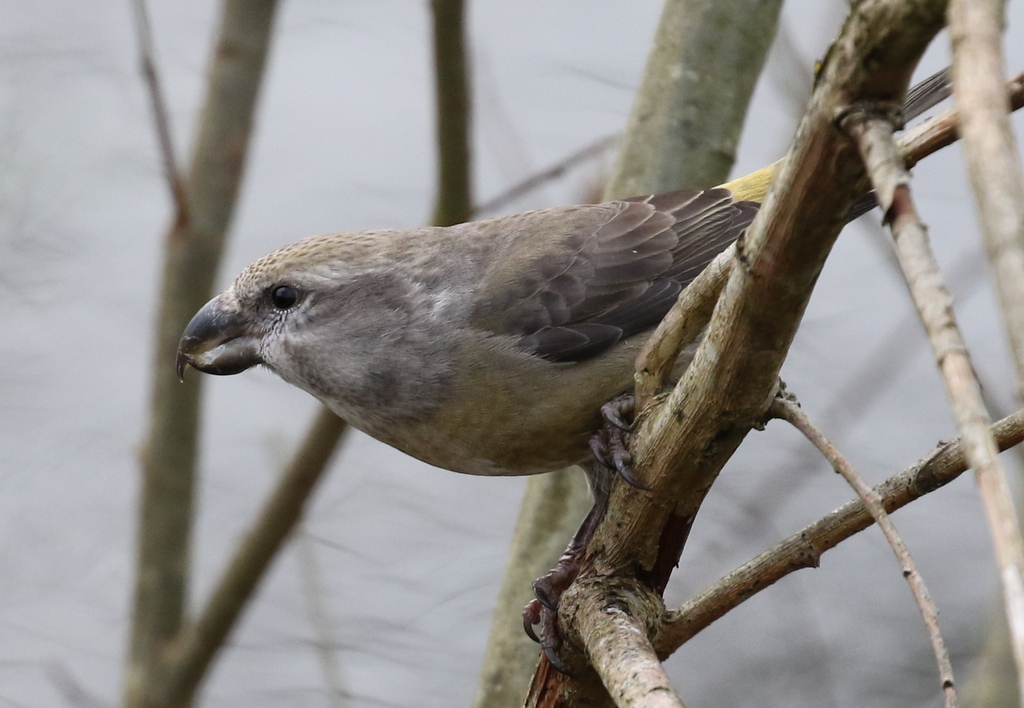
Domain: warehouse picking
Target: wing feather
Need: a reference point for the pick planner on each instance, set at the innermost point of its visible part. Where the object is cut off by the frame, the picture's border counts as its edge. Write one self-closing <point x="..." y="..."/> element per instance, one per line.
<point x="614" y="272"/>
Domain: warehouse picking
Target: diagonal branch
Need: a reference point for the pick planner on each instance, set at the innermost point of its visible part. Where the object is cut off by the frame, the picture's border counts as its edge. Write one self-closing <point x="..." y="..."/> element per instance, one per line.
<point x="701" y="46"/>
<point x="804" y="548"/>
<point x="872" y="129"/>
<point x="191" y="654"/>
<point x="787" y="409"/>
<point x="692" y="311"/>
<point x="680" y="327"/>
<point x="992" y="154"/>
<point x="194" y="244"/>
<point x="681" y="445"/>
<point x="535" y="181"/>
<point x="161" y="119"/>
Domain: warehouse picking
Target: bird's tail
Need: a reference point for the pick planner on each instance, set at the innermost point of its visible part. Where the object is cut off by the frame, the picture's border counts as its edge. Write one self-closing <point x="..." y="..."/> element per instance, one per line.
<point x="754" y="186"/>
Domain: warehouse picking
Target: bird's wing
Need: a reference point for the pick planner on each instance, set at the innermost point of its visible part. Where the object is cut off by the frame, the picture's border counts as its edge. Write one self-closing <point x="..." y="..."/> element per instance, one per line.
<point x="607" y="271"/>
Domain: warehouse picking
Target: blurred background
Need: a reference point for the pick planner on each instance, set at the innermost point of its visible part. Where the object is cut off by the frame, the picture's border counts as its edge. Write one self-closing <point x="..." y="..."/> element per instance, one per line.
<point x="386" y="594"/>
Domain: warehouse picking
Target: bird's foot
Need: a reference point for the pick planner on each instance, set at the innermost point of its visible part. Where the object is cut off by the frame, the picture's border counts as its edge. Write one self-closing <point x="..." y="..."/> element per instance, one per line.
<point x="611" y="452"/>
<point x="542" y="611"/>
<point x="609" y="444"/>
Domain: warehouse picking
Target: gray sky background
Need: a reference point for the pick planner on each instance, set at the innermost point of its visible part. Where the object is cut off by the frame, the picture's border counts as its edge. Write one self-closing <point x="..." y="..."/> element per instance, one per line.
<point x="409" y="558"/>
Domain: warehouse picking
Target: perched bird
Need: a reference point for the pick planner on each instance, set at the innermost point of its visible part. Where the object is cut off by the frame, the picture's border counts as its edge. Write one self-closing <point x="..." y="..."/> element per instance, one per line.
<point x="487" y="347"/>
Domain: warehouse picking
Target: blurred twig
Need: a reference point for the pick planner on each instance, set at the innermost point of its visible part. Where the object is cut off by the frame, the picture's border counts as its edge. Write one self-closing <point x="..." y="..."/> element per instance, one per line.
<point x="323" y="625"/>
<point x="161" y="119"/>
<point x="451" y="75"/>
<point x="993" y="161"/>
<point x="74" y="693"/>
<point x="193" y="248"/>
<point x="187" y="663"/>
<point x="788" y="410"/>
<point x="587" y="152"/>
<point x="689" y="109"/>
<point x="551" y="509"/>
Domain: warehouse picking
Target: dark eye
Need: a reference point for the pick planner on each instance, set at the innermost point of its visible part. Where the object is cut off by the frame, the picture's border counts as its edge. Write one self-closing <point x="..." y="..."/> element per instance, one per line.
<point x="284" y="297"/>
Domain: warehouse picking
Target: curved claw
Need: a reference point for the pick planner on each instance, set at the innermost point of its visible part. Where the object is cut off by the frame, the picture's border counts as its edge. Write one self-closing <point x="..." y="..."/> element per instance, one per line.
<point x="531" y="616"/>
<point x="556" y="663"/>
<point x="621" y="457"/>
<point x="543" y="593"/>
<point x="613" y="411"/>
<point x="622" y="466"/>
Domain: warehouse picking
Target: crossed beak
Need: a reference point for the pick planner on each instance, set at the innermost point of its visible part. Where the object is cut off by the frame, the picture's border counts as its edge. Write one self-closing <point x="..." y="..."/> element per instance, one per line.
<point x="217" y="341"/>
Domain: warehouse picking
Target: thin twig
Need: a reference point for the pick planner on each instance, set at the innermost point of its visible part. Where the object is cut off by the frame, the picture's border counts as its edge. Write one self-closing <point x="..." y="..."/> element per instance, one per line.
<point x="680" y="327"/>
<point x="161" y="118"/>
<point x="943" y="129"/>
<point x="323" y="625"/>
<point x="193" y="247"/>
<point x="454" y="202"/>
<point x="993" y="161"/>
<point x="788" y="410"/>
<point x="804" y="548"/>
<point x="587" y="152"/>
<point x="873" y="133"/>
<point x="190" y="658"/>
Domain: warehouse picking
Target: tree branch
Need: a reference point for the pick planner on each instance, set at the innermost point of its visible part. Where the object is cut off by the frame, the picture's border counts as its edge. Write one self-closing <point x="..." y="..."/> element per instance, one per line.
<point x="873" y="132"/>
<point x="692" y="311"/>
<point x="161" y="120"/>
<point x="680" y="327"/>
<point x="615" y="619"/>
<point x="942" y="130"/>
<point x="685" y="126"/>
<point x="189" y="658"/>
<point x="681" y="445"/>
<point x="993" y="158"/>
<point x="660" y="153"/>
<point x="451" y="78"/>
<point x="787" y="409"/>
<point x="193" y="248"/>
<point x="804" y="548"/>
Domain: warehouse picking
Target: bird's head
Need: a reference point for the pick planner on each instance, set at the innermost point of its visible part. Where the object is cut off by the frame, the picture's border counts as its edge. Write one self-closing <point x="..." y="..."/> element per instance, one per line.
<point x="268" y="308"/>
<point x="361" y="320"/>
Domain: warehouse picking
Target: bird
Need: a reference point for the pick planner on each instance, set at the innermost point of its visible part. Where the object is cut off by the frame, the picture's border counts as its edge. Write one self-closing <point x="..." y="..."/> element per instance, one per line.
<point x="488" y="347"/>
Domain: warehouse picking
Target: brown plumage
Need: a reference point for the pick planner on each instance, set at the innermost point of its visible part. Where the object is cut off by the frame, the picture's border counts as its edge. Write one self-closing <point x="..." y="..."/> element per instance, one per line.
<point x="486" y="347"/>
